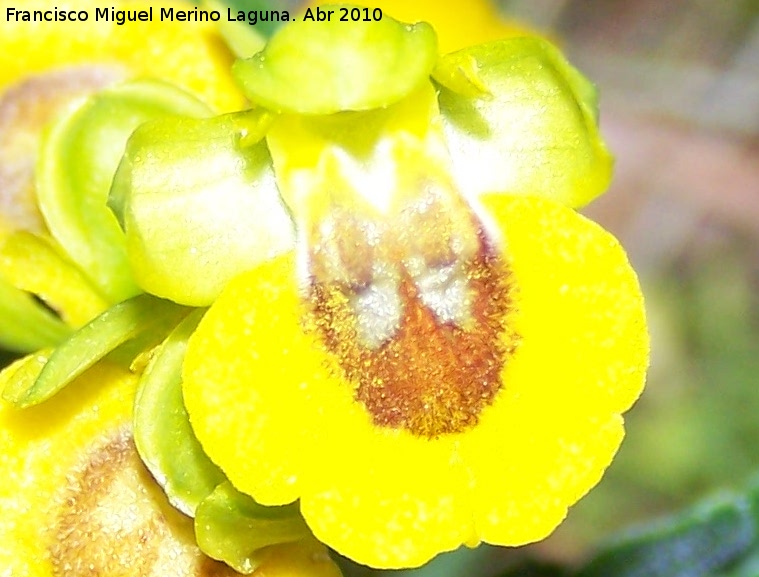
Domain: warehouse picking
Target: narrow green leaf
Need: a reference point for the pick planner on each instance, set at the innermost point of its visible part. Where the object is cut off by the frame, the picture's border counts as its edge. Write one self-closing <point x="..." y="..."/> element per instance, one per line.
<point x="694" y="544"/>
<point x="162" y="431"/>
<point x="95" y="340"/>
<point x="233" y="528"/>
<point x="24" y="373"/>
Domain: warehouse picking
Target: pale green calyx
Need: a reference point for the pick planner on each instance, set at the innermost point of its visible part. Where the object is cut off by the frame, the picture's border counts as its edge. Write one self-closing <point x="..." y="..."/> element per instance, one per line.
<point x="199" y="204"/>
<point x="311" y="67"/>
<point x="77" y="162"/>
<point x="519" y="119"/>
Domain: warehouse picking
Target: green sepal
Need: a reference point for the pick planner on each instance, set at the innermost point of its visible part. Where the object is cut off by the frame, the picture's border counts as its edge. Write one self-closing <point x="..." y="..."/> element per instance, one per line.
<point x="232" y="527"/>
<point x="519" y="119"/>
<point x="312" y="67"/>
<point x="162" y="432"/>
<point x="357" y="158"/>
<point x="78" y="159"/>
<point x="704" y="539"/>
<point x="199" y="204"/>
<point x="94" y="341"/>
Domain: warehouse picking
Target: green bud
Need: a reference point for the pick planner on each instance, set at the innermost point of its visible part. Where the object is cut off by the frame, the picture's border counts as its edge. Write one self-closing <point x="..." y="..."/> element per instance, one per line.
<point x="519" y="119"/>
<point x="78" y="159"/>
<point x="199" y="204"/>
<point x="322" y="67"/>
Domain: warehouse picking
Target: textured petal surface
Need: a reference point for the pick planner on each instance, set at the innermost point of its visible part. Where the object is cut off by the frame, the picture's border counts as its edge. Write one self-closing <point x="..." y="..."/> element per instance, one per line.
<point x="267" y="405"/>
<point x="247" y="358"/>
<point x="581" y="362"/>
<point x="76" y="499"/>
<point x="39" y="448"/>
<point x="270" y="406"/>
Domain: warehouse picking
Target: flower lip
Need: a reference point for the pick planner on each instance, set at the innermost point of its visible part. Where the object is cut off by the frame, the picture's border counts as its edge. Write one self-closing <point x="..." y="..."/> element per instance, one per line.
<point x="434" y="374"/>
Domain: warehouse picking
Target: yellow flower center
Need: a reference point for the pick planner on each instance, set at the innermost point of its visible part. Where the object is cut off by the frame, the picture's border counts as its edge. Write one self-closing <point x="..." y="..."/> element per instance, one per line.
<point x="414" y="305"/>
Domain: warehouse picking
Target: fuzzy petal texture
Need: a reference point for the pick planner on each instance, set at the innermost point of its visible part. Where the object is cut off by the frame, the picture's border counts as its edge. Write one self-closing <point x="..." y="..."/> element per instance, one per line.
<point x="271" y="408"/>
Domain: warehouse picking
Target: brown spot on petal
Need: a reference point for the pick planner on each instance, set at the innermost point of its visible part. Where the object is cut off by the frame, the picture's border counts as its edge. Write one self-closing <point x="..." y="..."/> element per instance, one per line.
<point x="430" y="377"/>
<point x="112" y="520"/>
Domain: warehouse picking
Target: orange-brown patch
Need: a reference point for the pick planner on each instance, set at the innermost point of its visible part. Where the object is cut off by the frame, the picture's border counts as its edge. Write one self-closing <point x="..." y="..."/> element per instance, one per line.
<point x="430" y="378"/>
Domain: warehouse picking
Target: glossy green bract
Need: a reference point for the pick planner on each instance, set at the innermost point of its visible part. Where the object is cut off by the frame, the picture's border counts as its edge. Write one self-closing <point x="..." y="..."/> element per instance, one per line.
<point x="519" y="119"/>
<point x="162" y="432"/>
<point x="312" y="67"/>
<point x="78" y="160"/>
<point x="199" y="204"/>
<point x="233" y="528"/>
<point x="116" y="326"/>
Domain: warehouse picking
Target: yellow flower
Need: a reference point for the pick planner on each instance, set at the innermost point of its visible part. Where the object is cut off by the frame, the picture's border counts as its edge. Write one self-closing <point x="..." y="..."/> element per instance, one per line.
<point x="445" y="357"/>
<point x="77" y="499"/>
<point x="456" y="428"/>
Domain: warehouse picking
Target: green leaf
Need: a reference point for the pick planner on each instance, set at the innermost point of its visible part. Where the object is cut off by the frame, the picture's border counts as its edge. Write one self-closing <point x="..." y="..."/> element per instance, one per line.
<point x="78" y="159"/>
<point x="519" y="119"/>
<point x="199" y="204"/>
<point x="91" y="343"/>
<point x="162" y="432"/>
<point x="233" y="528"/>
<point x="694" y="544"/>
<point x="322" y="67"/>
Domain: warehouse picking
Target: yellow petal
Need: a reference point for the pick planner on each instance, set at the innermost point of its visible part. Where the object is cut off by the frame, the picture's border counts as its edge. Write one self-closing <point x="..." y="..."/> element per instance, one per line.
<point x="581" y="314"/>
<point x="253" y="355"/>
<point x="270" y="408"/>
<point x="190" y="55"/>
<point x="76" y="498"/>
<point x="581" y="362"/>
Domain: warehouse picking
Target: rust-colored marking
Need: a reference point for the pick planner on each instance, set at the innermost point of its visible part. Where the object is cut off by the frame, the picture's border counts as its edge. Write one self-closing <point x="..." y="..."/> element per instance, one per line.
<point x="430" y="378"/>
